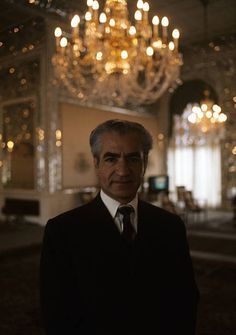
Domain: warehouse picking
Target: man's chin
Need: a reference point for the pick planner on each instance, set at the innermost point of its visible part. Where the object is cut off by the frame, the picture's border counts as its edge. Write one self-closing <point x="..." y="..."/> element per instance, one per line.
<point x="123" y="187"/>
<point x="125" y="194"/>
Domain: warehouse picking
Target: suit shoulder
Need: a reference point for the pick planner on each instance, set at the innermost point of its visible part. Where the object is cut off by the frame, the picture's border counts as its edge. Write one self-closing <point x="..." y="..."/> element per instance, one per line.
<point x="163" y="217"/>
<point x="66" y="220"/>
<point x="147" y="206"/>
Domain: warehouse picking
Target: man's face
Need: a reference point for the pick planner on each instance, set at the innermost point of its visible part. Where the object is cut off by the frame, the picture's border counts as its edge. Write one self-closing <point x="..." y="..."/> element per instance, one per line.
<point x="121" y="166"/>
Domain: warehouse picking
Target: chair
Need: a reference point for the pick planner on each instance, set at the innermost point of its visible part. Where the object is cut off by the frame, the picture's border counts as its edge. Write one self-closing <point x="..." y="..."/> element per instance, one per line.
<point x="190" y="203"/>
<point x="180" y="190"/>
<point x="187" y="202"/>
<point x="167" y="204"/>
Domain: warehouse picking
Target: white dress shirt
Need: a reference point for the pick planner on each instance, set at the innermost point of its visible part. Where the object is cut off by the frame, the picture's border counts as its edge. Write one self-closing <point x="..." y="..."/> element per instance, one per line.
<point x="112" y="206"/>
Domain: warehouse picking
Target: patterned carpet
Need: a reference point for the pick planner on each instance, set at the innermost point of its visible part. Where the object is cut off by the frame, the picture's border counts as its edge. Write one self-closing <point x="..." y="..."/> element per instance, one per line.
<point x="19" y="300"/>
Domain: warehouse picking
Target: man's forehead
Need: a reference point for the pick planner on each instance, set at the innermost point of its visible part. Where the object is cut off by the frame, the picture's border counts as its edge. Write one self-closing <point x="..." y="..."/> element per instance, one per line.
<point x="118" y="143"/>
<point x="117" y="139"/>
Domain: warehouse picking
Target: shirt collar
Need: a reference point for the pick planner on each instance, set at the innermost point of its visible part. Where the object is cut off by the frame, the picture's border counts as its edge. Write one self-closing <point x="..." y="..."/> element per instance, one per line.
<point x="112" y="204"/>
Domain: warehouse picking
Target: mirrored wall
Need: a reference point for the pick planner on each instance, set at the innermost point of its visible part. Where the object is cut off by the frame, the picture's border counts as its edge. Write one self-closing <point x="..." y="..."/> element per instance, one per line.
<point x="18" y="144"/>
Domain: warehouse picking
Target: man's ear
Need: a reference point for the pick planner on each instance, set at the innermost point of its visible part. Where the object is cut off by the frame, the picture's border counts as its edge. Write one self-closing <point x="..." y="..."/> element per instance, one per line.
<point x="145" y="163"/>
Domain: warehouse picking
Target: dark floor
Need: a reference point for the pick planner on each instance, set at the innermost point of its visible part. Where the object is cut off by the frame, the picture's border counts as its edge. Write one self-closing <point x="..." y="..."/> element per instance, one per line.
<point x="217" y="309"/>
<point x="216" y="278"/>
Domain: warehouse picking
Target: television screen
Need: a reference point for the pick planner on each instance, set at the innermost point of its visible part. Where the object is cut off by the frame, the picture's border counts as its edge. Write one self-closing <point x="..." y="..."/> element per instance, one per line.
<point x="158" y="183"/>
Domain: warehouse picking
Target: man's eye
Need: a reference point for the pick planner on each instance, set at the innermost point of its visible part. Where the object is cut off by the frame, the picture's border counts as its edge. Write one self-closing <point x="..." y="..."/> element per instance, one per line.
<point x="110" y="159"/>
<point x="134" y="159"/>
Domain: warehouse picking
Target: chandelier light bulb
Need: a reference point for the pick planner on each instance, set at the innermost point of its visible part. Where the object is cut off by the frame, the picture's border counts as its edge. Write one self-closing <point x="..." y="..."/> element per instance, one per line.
<point x="200" y="114"/>
<point x="171" y="46"/>
<point x="124" y="54"/>
<point x="165" y="21"/>
<point x="138" y="15"/>
<point x="132" y="30"/>
<point x="88" y="16"/>
<point x="102" y="18"/>
<point x="195" y="109"/>
<point x="89" y="3"/>
<point x="63" y="42"/>
<point x="75" y="21"/>
<point x="10" y="145"/>
<point x="157" y="44"/>
<point x="215" y="115"/>
<point x="99" y="56"/>
<point x="222" y="117"/>
<point x="58" y="134"/>
<point x="192" y="118"/>
<point x="208" y="114"/>
<point x="58" y="32"/>
<point x="150" y="51"/>
<point x="234" y="150"/>
<point x="155" y="20"/>
<point x="75" y="47"/>
<point x="204" y="129"/>
<point x="140" y="4"/>
<point x="112" y="22"/>
<point x="216" y="108"/>
<point x="107" y="30"/>
<point x="204" y="107"/>
<point x="175" y="34"/>
<point x="95" y="5"/>
<point x="146" y="7"/>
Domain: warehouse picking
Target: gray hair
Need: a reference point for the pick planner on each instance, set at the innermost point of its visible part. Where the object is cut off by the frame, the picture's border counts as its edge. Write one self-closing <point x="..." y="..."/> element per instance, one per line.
<point x="121" y="127"/>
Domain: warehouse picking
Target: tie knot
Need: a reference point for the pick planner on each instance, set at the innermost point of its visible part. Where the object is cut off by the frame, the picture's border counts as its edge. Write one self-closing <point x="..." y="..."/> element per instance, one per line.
<point x="126" y="210"/>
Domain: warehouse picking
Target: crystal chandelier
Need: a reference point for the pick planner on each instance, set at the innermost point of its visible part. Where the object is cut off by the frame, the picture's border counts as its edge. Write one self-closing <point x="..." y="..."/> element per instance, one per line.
<point x="105" y="59"/>
<point x="207" y="118"/>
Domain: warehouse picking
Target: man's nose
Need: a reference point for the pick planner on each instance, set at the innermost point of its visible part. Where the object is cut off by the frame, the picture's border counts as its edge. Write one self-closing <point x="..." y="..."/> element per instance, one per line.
<point x="122" y="168"/>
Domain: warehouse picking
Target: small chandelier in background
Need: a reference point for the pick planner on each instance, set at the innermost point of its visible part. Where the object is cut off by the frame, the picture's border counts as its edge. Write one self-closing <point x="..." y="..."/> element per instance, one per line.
<point x="207" y="118"/>
<point x="105" y="59"/>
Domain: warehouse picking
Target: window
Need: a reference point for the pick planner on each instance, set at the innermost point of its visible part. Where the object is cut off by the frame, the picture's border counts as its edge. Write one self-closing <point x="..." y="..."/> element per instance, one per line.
<point x="194" y="162"/>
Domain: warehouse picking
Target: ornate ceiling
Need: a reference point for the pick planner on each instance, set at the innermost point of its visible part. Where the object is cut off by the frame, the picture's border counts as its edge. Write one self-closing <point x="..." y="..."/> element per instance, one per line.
<point x="186" y="15"/>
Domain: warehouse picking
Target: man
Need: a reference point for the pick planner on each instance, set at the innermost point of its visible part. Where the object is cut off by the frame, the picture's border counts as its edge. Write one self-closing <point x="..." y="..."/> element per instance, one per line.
<point x="118" y="265"/>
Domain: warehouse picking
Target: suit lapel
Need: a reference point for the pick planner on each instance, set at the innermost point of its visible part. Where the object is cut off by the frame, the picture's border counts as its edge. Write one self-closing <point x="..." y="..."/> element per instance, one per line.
<point x="143" y="219"/>
<point x="105" y="227"/>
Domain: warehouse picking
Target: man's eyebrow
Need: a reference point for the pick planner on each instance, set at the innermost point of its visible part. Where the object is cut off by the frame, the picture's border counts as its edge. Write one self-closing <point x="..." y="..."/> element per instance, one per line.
<point x="129" y="154"/>
<point x="111" y="154"/>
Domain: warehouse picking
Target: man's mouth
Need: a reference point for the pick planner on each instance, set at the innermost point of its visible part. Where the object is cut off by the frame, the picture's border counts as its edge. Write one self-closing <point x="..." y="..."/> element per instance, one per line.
<point x="122" y="181"/>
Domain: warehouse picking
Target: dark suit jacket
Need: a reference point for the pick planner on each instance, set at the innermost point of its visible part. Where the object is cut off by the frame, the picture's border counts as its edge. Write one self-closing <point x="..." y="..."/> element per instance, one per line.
<point x="92" y="282"/>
